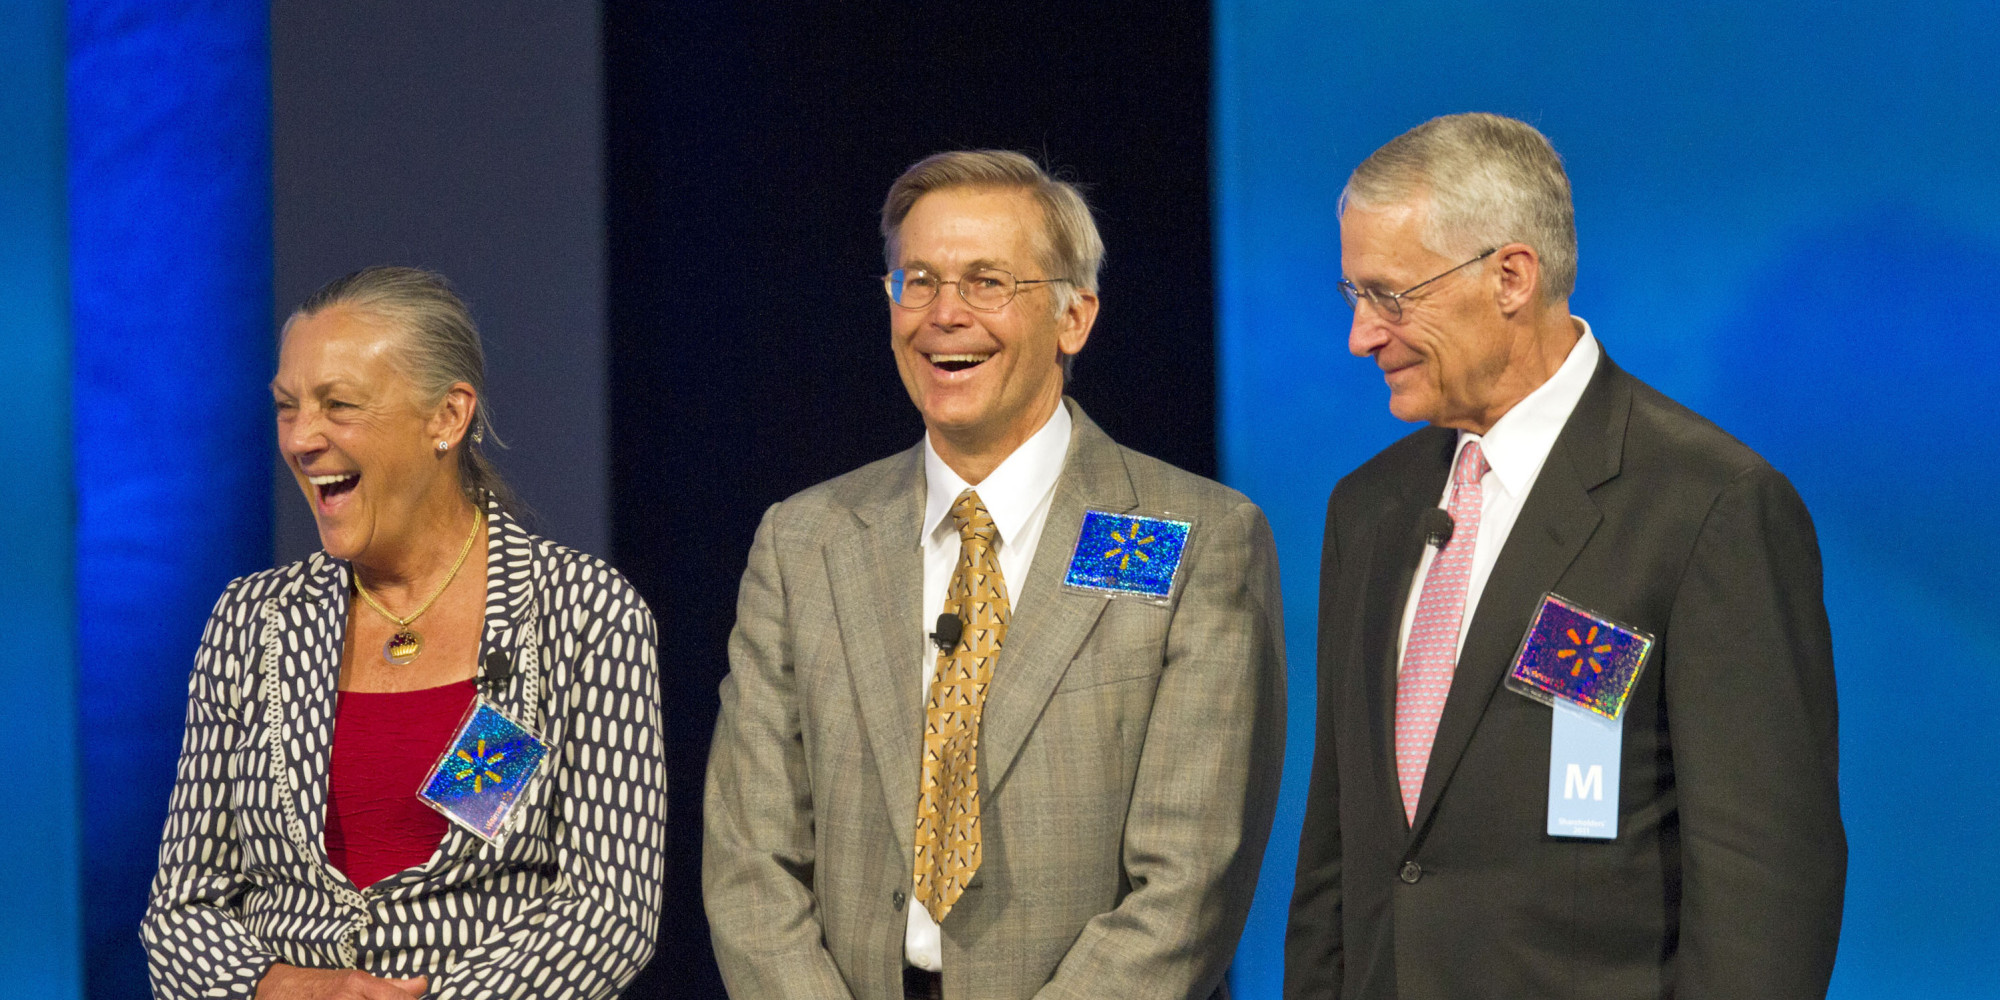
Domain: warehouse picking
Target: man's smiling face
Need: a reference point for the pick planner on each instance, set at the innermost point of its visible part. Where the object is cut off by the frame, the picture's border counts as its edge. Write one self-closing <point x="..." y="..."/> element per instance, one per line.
<point x="1445" y="356"/>
<point x="984" y="381"/>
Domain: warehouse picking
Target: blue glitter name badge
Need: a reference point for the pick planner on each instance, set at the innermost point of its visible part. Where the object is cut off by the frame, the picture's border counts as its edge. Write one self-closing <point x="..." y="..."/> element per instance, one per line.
<point x="1580" y="657"/>
<point x="1128" y="555"/>
<point x="485" y="772"/>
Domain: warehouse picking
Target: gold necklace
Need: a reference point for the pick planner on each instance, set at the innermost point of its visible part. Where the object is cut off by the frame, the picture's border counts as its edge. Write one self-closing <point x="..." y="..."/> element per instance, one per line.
<point x="404" y="645"/>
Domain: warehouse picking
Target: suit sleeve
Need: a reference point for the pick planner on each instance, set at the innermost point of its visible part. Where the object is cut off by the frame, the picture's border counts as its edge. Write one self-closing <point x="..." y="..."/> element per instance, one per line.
<point x="1314" y="947"/>
<point x="591" y="934"/>
<point x="1207" y="783"/>
<point x="1748" y="671"/>
<point x="757" y="843"/>
<point x="195" y="945"/>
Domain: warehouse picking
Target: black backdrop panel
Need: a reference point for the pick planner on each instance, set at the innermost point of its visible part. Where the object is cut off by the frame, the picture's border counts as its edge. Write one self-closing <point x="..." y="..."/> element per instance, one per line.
<point x="748" y="151"/>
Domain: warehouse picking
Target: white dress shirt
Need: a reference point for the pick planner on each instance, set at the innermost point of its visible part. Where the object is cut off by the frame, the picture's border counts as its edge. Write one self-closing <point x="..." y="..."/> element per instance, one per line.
<point x="1515" y="447"/>
<point x="1017" y="495"/>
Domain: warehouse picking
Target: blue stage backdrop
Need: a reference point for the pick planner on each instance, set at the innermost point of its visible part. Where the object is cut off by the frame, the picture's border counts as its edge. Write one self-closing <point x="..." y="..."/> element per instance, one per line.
<point x="38" y="859"/>
<point x="1789" y="221"/>
<point x="170" y="213"/>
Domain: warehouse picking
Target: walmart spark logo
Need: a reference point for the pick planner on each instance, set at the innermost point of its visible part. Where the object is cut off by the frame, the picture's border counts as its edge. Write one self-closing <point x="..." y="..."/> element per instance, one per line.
<point x="479" y="767"/>
<point x="1122" y="553"/>
<point x="1583" y="651"/>
<point x="1579" y="657"/>
<point x="1129" y="545"/>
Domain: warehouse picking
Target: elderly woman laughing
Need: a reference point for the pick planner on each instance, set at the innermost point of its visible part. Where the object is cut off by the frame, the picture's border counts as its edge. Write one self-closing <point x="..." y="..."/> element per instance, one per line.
<point x="425" y="761"/>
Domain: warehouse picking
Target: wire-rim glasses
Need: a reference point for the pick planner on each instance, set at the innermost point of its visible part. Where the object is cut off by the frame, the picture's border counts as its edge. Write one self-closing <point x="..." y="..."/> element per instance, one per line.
<point x="987" y="289"/>
<point x="1390" y="304"/>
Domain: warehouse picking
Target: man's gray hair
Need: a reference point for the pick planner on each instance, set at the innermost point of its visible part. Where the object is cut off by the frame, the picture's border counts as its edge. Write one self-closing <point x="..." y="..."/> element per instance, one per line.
<point x="1491" y="180"/>
<point x="439" y="348"/>
<point x="1068" y="244"/>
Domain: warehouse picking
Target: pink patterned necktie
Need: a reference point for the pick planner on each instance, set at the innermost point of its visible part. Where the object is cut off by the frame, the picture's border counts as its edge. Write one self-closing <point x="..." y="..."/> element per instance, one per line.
<point x="1431" y="652"/>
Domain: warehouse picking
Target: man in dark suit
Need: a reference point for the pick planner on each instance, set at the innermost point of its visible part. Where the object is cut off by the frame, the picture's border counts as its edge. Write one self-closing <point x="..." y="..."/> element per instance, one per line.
<point x="981" y="738"/>
<point x="1427" y="866"/>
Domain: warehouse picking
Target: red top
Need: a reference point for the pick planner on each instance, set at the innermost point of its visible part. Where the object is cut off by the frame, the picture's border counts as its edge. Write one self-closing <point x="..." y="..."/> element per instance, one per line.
<point x="384" y="745"/>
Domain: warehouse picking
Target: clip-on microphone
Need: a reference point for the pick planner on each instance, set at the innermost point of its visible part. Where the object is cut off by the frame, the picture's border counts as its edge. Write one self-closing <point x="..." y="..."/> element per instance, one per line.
<point x="499" y="670"/>
<point x="950" y="628"/>
<point x="1437" y="526"/>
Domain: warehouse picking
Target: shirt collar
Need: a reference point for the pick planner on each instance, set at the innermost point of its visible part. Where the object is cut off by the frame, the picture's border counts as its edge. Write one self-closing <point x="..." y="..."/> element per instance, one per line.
<point x="1013" y="490"/>
<point x="1520" y="441"/>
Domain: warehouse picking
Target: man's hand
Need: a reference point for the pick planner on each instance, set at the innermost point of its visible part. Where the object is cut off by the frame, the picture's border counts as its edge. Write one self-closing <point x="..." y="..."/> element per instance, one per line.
<point x="289" y="982"/>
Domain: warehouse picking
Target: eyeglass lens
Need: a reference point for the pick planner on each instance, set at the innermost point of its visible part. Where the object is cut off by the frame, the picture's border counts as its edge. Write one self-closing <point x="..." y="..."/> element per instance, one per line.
<point x="984" y="288"/>
<point x="1390" y="306"/>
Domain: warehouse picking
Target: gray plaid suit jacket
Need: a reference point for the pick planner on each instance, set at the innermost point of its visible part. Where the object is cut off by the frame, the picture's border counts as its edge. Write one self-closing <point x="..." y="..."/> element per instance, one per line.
<point x="1129" y="759"/>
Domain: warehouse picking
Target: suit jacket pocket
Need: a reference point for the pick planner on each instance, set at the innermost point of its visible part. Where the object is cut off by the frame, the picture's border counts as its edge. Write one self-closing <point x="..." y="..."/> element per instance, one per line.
<point x="1128" y="643"/>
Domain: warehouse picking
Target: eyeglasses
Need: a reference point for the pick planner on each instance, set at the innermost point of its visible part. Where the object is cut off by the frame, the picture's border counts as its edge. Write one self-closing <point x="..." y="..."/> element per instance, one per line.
<point x="987" y="289"/>
<point x="1390" y="304"/>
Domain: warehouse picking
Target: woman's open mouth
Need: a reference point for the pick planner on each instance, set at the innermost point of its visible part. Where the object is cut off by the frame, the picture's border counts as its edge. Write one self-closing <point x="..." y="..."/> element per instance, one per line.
<point x="334" y="485"/>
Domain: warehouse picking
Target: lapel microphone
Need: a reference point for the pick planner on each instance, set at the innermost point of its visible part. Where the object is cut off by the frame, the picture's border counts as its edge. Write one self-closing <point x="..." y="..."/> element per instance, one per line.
<point x="1438" y="525"/>
<point x="499" y="670"/>
<point x="950" y="628"/>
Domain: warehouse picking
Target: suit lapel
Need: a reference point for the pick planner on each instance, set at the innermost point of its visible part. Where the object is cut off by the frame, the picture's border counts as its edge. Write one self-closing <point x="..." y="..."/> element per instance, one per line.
<point x="309" y="681"/>
<point x="1041" y="643"/>
<point x="876" y="576"/>
<point x="1555" y="522"/>
<point x="510" y="604"/>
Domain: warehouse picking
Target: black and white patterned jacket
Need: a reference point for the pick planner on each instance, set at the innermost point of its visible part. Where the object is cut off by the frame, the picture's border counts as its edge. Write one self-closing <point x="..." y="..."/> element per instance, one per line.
<point x="566" y="905"/>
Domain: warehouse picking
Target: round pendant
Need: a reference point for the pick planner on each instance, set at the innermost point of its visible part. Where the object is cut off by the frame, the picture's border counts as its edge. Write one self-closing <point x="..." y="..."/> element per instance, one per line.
<point x="403" y="646"/>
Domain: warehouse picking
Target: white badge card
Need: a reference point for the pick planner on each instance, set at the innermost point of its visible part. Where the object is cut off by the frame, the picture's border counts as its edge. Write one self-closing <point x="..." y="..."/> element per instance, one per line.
<point x="1584" y="750"/>
<point x="485" y="772"/>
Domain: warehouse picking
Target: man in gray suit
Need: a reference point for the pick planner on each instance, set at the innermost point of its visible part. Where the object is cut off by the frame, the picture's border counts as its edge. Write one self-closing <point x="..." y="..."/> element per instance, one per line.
<point x="1005" y="712"/>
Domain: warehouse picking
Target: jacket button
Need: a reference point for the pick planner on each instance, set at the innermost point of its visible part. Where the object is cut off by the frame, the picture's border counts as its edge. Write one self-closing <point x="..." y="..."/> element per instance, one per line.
<point x="897" y="898"/>
<point x="1411" y="872"/>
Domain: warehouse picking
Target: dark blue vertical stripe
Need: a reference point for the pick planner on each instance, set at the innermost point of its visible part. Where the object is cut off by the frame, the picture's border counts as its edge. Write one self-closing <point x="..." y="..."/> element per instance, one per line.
<point x="38" y="845"/>
<point x="170" y="208"/>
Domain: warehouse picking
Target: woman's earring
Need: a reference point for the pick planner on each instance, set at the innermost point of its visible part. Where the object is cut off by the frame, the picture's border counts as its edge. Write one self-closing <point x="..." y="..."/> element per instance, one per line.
<point x="443" y="446"/>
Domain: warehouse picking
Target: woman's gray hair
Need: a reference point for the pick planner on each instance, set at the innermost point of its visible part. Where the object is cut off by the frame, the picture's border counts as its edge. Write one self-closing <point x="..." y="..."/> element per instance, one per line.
<point x="1068" y="244"/>
<point x="1491" y="181"/>
<point x="439" y="348"/>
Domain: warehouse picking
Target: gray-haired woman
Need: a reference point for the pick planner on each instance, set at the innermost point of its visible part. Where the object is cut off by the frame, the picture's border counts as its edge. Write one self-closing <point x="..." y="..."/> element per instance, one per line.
<point x="298" y="860"/>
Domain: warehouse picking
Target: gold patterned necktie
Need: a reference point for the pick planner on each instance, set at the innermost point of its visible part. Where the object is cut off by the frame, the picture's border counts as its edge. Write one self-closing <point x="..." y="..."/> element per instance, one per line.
<point x="948" y="800"/>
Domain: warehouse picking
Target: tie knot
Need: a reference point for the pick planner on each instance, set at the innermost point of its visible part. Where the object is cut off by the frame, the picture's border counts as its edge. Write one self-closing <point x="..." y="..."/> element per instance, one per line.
<point x="973" y="520"/>
<point x="1471" y="465"/>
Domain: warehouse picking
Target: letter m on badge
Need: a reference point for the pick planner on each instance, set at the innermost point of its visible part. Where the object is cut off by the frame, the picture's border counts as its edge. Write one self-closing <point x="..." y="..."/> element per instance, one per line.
<point x="1579" y="785"/>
